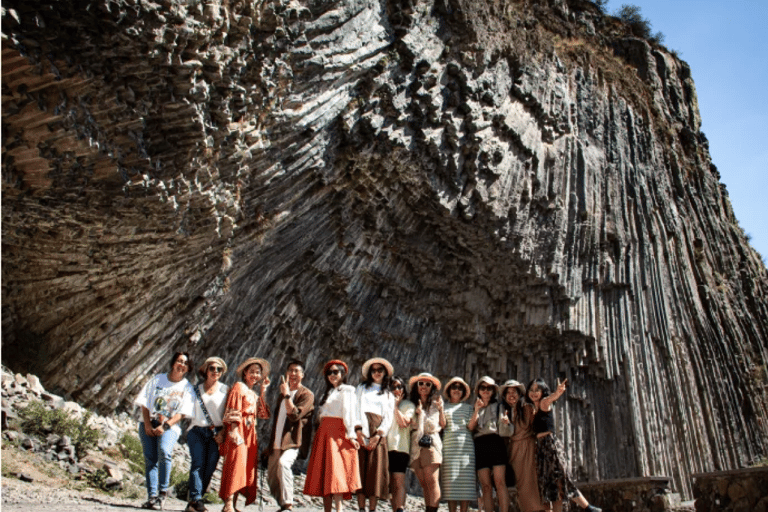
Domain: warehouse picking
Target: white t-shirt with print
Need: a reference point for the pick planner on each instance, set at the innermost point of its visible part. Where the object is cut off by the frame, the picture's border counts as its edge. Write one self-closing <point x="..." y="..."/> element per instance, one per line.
<point x="164" y="397"/>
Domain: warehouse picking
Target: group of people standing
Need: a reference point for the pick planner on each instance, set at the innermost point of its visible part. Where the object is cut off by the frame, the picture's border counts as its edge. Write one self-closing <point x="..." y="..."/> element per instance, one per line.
<point x="366" y="438"/>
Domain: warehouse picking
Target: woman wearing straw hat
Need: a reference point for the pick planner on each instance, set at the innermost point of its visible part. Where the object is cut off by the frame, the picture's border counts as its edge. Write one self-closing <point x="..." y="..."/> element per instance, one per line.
<point x="206" y="432"/>
<point x="426" y="445"/>
<point x="333" y="470"/>
<point x="522" y="445"/>
<point x="490" y="449"/>
<point x="457" y="473"/>
<point x="377" y="407"/>
<point x="241" y="444"/>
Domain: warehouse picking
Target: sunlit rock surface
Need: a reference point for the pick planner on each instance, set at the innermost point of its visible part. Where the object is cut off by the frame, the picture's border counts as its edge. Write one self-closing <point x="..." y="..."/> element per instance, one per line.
<point x="464" y="187"/>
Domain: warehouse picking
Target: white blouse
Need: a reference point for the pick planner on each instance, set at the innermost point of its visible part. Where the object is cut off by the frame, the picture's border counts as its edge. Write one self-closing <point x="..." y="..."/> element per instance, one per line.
<point x="341" y="403"/>
<point x="215" y="403"/>
<point x="371" y="401"/>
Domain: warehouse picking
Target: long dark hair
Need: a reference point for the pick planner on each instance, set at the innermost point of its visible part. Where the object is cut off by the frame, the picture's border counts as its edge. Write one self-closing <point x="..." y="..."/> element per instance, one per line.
<point x="542" y="386"/>
<point x="414" y="396"/>
<point x="397" y="380"/>
<point x="329" y="387"/>
<point x="384" y="381"/>
<point x="176" y="356"/>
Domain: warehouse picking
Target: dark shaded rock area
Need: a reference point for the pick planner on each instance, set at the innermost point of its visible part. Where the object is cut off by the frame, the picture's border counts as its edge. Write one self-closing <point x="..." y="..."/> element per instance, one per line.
<point x="466" y="187"/>
<point x="732" y="491"/>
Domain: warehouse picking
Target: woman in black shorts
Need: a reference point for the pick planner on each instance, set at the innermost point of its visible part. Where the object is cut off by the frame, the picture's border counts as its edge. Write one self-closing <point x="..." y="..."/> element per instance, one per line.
<point x="490" y="449"/>
<point x="399" y="443"/>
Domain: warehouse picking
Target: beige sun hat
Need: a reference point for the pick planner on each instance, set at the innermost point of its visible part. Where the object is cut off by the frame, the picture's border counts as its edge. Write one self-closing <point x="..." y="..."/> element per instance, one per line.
<point x="386" y="364"/>
<point x="486" y="380"/>
<point x="424" y="376"/>
<point x="512" y="383"/>
<point x="467" y="389"/>
<point x="265" y="366"/>
<point x="212" y="360"/>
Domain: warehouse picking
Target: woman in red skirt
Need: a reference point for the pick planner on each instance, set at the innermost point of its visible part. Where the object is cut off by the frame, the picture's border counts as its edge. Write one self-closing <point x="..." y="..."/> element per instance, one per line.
<point x="333" y="471"/>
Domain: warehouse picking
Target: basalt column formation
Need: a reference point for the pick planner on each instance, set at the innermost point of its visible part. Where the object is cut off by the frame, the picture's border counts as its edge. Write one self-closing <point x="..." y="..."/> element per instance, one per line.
<point x="465" y="187"/>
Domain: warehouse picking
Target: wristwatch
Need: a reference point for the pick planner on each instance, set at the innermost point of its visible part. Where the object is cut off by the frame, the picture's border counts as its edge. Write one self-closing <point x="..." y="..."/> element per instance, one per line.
<point x="286" y="397"/>
<point x="166" y="426"/>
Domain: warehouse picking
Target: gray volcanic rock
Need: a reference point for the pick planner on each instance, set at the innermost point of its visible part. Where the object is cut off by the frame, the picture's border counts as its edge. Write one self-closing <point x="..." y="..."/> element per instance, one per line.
<point x="465" y="187"/>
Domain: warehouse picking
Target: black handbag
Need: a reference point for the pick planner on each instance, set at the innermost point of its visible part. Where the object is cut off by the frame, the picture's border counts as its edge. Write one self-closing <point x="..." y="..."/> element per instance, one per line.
<point x="425" y="441"/>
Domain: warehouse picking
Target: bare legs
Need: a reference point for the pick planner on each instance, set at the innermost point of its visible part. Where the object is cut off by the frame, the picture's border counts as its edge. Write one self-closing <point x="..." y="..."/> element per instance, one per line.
<point x="397" y="488"/>
<point x="372" y="501"/>
<point x="463" y="506"/>
<point x="430" y="483"/>
<point x="490" y="480"/>
<point x="332" y="502"/>
<point x="229" y="504"/>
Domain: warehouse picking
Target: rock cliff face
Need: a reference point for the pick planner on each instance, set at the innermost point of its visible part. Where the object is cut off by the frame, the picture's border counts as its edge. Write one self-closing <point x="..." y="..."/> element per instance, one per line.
<point x="465" y="187"/>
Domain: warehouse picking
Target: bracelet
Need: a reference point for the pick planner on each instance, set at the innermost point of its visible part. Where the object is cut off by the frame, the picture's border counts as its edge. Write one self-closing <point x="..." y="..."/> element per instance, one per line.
<point x="286" y="397"/>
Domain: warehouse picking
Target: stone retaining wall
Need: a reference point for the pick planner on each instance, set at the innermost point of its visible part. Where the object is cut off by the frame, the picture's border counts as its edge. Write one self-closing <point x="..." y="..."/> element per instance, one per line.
<point x="740" y="490"/>
<point x="650" y="494"/>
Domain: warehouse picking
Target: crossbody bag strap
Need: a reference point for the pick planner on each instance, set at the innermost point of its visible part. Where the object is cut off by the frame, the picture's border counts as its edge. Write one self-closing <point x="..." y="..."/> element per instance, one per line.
<point x="202" y="406"/>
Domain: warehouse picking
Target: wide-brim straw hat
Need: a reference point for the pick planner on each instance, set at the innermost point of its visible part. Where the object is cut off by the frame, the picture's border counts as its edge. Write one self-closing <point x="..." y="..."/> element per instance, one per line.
<point x="487" y="380"/>
<point x="337" y="362"/>
<point x="386" y="364"/>
<point x="467" y="389"/>
<point x="512" y="383"/>
<point x="211" y="360"/>
<point x="265" y="366"/>
<point x="424" y="376"/>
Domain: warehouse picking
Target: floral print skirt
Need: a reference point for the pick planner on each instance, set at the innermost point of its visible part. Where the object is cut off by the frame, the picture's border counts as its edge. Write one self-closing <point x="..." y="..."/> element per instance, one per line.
<point x="554" y="481"/>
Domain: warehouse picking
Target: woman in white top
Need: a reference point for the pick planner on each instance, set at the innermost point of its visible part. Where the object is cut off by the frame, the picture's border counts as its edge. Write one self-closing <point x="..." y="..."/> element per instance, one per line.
<point x="333" y="471"/>
<point x="205" y="432"/>
<point x="399" y="443"/>
<point x="163" y="401"/>
<point x="377" y="406"/>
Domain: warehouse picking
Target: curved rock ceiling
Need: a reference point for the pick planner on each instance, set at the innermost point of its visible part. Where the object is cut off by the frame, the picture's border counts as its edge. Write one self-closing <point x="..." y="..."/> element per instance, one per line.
<point x="462" y="186"/>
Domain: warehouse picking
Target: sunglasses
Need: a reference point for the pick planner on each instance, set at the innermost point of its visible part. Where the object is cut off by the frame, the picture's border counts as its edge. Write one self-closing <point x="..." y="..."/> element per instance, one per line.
<point x="424" y="383"/>
<point x="182" y="361"/>
<point x="395" y="388"/>
<point x="378" y="369"/>
<point x="215" y="369"/>
<point x="333" y="372"/>
<point x="457" y="386"/>
<point x="485" y="388"/>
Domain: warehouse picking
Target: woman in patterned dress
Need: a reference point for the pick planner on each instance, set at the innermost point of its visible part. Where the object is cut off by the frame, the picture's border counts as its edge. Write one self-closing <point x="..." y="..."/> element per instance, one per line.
<point x="333" y="471"/>
<point x="555" y="484"/>
<point x="241" y="443"/>
<point x="457" y="474"/>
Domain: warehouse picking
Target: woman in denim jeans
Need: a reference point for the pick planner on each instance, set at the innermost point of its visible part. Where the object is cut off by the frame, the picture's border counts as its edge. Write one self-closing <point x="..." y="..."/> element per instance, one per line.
<point x="205" y="432"/>
<point x="163" y="401"/>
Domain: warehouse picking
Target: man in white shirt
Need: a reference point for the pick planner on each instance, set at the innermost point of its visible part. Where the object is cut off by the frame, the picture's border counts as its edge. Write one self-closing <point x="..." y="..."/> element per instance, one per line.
<point x="291" y="433"/>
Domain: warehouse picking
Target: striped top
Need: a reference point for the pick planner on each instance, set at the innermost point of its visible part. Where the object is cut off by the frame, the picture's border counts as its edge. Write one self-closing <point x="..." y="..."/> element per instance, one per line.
<point x="457" y="473"/>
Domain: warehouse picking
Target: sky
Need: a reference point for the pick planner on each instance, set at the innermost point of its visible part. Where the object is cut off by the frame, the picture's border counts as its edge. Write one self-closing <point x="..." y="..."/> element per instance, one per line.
<point x="726" y="45"/>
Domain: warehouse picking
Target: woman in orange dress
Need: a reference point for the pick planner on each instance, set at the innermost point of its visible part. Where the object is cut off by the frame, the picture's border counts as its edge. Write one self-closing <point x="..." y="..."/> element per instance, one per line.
<point x="333" y="471"/>
<point x="240" y="449"/>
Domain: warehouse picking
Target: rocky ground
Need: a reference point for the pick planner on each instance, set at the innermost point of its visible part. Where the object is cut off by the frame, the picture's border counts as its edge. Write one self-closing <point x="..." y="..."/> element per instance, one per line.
<point x="41" y="474"/>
